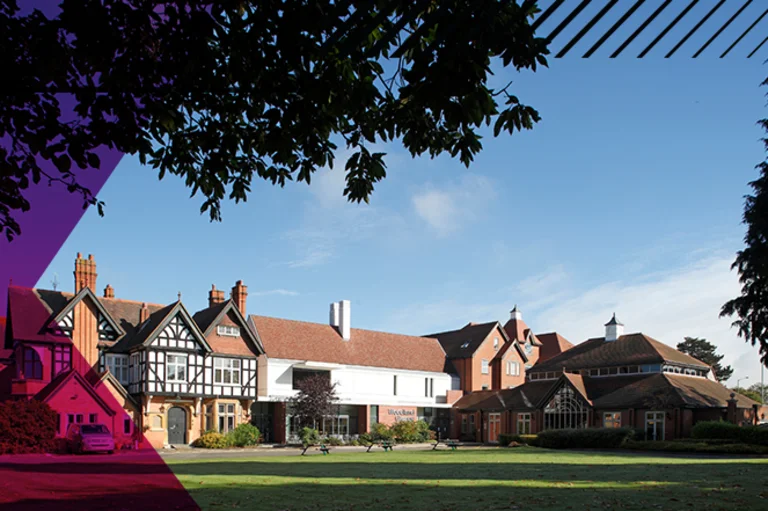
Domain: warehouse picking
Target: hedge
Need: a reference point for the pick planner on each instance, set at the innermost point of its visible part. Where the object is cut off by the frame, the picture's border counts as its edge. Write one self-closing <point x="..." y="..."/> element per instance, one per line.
<point x="506" y="439"/>
<point x="27" y="427"/>
<point x="726" y="431"/>
<point x="590" y="438"/>
<point x="696" y="447"/>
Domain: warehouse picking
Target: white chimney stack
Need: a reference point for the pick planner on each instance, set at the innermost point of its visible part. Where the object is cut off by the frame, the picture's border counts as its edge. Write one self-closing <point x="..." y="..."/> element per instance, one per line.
<point x="515" y="314"/>
<point x="613" y="329"/>
<point x="344" y="319"/>
<point x="334" y="319"/>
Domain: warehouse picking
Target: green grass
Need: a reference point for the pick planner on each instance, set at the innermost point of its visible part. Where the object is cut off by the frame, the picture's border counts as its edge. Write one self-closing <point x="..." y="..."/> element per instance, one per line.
<point x="486" y="479"/>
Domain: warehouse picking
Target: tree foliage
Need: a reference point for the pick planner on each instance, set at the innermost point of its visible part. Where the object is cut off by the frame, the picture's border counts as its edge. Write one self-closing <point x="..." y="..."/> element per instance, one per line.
<point x="754" y="395"/>
<point x="705" y="351"/>
<point x="221" y="92"/>
<point x="316" y="399"/>
<point x="751" y="307"/>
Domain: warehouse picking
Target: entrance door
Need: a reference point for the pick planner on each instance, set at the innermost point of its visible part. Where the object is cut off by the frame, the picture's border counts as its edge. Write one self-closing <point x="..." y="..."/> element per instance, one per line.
<point x="177" y="426"/>
<point x="654" y="425"/>
<point x="494" y="427"/>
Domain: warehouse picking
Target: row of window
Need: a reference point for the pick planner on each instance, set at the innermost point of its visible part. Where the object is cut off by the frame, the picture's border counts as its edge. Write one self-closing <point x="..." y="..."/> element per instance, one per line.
<point x="622" y="370"/>
<point x="32" y="365"/>
<point x="226" y="371"/>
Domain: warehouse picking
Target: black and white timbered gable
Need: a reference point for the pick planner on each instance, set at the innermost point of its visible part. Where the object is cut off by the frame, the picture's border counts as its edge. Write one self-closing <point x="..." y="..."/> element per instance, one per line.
<point x="176" y="360"/>
<point x="108" y="328"/>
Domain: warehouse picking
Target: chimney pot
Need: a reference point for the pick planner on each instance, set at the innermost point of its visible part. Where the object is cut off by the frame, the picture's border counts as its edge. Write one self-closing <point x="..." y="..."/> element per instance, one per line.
<point x="143" y="313"/>
<point x="334" y="316"/>
<point x="215" y="296"/>
<point x="239" y="296"/>
<point x="85" y="273"/>
<point x="109" y="292"/>
<point x="344" y="319"/>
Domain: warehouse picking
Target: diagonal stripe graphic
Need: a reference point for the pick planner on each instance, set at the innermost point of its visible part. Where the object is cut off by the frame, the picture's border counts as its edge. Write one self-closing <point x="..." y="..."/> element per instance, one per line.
<point x="613" y="29"/>
<point x="640" y="29"/>
<point x="669" y="27"/>
<point x="586" y="28"/>
<point x="567" y="21"/>
<point x="717" y="34"/>
<point x="744" y="34"/>
<point x="758" y="47"/>
<point x="546" y="14"/>
<point x="694" y="29"/>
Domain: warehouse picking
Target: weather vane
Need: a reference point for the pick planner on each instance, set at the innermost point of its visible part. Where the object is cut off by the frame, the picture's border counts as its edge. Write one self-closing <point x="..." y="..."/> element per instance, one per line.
<point x="55" y="281"/>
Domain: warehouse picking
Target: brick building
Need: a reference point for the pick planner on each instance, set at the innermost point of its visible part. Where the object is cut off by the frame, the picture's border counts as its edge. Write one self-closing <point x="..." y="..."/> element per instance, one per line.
<point x="613" y="381"/>
<point x="173" y="374"/>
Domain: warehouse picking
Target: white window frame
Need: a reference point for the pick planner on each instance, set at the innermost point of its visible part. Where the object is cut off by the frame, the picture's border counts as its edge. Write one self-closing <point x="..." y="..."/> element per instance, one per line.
<point x="228" y="331"/>
<point x="495" y="344"/>
<point x="222" y="366"/>
<point x="525" y="420"/>
<point x="119" y="370"/>
<point x="655" y="418"/>
<point x="168" y="365"/>
<point x="484" y="366"/>
<point x="610" y="417"/>
<point x="513" y="368"/>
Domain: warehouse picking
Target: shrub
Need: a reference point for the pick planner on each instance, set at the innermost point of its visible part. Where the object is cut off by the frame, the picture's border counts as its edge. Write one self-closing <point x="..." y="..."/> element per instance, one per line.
<point x="727" y="431"/>
<point x="27" y="427"/>
<point x="505" y="439"/>
<point x="333" y="441"/>
<point x="365" y="439"/>
<point x="211" y="440"/>
<point x="381" y="432"/>
<point x="354" y="442"/>
<point x="244" y="435"/>
<point x="309" y="436"/>
<point x="407" y="432"/>
<point x="590" y="438"/>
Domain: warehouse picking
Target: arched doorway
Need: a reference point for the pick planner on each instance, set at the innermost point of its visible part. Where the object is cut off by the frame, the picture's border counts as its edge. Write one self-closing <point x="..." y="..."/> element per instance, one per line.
<point x="177" y="426"/>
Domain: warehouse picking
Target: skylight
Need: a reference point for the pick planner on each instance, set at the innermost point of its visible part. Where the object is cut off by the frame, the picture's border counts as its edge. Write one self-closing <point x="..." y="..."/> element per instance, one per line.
<point x="465" y="345"/>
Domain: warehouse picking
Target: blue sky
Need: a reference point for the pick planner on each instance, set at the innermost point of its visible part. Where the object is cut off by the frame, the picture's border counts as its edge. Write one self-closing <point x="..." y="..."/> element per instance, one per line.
<point x="627" y="196"/>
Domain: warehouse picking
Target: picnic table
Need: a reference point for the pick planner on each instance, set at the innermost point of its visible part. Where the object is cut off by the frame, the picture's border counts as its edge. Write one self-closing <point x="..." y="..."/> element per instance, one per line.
<point x="387" y="445"/>
<point x="453" y="444"/>
<point x="323" y="448"/>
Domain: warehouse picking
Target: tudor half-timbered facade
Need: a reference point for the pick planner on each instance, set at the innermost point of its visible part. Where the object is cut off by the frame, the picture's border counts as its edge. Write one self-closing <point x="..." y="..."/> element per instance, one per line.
<point x="180" y="374"/>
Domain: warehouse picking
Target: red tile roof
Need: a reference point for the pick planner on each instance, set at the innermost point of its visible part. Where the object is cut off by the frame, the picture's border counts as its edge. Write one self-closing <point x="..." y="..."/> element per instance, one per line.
<point x="552" y="344"/>
<point x="517" y="330"/>
<point x="29" y="316"/>
<point x="472" y="335"/>
<point x="631" y="349"/>
<point x="300" y="340"/>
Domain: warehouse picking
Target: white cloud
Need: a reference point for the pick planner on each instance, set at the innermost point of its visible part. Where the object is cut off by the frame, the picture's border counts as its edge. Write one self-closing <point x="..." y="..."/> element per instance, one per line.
<point x="668" y="306"/>
<point x="272" y="292"/>
<point x="447" y="209"/>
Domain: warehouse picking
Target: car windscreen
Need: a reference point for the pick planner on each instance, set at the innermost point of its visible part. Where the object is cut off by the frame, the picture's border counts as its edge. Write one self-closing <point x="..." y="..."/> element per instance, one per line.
<point x="97" y="429"/>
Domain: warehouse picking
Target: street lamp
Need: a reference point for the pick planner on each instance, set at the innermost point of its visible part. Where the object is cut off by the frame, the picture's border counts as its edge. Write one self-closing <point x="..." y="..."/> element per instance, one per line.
<point x="737" y="381"/>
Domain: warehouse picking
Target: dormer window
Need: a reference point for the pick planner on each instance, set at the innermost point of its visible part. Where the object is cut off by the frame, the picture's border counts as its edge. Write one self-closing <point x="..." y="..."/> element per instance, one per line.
<point x="528" y="346"/>
<point x="228" y="331"/>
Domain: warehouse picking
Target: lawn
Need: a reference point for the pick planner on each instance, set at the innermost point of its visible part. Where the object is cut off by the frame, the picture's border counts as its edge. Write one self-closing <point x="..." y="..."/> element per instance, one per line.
<point x="487" y="479"/>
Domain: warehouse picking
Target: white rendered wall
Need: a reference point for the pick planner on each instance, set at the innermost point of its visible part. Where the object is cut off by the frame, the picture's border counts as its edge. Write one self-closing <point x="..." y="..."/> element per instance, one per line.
<point x="364" y="385"/>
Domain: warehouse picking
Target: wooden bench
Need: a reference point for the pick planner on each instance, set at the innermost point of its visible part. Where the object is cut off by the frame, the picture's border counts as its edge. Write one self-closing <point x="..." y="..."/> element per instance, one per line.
<point x="453" y="444"/>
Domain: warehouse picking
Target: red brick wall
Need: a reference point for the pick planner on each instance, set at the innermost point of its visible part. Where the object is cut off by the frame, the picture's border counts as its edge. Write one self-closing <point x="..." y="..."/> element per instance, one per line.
<point x="485" y="351"/>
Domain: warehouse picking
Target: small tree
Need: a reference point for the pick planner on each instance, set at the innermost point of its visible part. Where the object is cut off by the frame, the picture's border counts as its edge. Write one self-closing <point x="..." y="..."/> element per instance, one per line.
<point x="315" y="400"/>
<point x="705" y="351"/>
<point x="754" y="395"/>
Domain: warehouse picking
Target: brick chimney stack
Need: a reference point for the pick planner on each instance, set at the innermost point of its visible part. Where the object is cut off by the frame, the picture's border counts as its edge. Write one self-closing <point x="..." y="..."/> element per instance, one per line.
<point x="109" y="292"/>
<point x="239" y="294"/>
<point x="85" y="273"/>
<point x="215" y="296"/>
<point x="143" y="313"/>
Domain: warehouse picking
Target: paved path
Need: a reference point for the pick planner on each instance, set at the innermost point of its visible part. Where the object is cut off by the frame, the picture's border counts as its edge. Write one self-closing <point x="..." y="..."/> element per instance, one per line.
<point x="194" y="454"/>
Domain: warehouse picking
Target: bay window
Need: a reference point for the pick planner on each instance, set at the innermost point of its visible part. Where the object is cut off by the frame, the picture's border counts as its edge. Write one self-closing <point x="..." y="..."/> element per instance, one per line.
<point x="118" y="366"/>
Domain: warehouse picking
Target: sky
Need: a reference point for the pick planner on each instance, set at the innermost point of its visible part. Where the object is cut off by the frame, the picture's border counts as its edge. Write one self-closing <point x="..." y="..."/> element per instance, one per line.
<point x="627" y="197"/>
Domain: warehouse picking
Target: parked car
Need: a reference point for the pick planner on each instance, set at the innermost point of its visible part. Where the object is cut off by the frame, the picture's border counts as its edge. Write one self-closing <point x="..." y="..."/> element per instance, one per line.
<point x="82" y="438"/>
